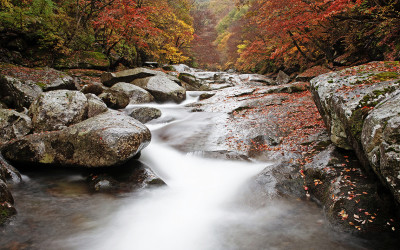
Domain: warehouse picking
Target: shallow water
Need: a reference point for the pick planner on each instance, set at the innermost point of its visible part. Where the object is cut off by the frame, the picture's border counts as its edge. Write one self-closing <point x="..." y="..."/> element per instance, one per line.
<point x="208" y="204"/>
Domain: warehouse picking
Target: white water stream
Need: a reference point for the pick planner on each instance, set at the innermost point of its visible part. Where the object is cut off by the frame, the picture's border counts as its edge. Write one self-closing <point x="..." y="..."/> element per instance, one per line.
<point x="183" y="214"/>
<point x="206" y="205"/>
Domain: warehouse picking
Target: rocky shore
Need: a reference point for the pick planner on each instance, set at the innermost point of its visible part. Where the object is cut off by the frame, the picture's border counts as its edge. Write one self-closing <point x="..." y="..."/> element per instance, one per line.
<point x="335" y="141"/>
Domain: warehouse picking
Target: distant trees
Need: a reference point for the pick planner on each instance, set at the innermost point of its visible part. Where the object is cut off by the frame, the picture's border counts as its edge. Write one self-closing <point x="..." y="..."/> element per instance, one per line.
<point x="296" y="34"/>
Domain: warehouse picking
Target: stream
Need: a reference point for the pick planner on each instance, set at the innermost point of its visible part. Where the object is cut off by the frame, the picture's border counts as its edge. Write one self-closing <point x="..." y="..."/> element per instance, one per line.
<point x="207" y="204"/>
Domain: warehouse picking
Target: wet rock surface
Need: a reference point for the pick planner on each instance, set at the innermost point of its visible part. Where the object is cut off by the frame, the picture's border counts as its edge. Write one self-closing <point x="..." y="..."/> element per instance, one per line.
<point x="130" y="176"/>
<point x="58" y="109"/>
<point x="143" y="114"/>
<point x="136" y="94"/>
<point x="162" y="88"/>
<point x="282" y="124"/>
<point x="108" y="139"/>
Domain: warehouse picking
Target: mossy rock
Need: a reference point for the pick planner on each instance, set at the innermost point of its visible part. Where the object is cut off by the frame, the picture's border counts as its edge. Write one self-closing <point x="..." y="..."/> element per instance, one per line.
<point x="386" y="76"/>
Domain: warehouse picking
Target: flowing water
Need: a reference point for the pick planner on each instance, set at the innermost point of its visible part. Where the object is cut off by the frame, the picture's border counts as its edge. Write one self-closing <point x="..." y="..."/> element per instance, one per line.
<point x="207" y="204"/>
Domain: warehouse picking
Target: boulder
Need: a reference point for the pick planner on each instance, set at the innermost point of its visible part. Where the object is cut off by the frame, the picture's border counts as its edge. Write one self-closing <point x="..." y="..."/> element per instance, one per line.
<point x="115" y="99"/>
<point x="19" y="94"/>
<point x="282" y="78"/>
<point x="380" y="139"/>
<point x="106" y="140"/>
<point x="63" y="82"/>
<point x="95" y="105"/>
<point x="93" y="88"/>
<point x="58" y="109"/>
<point x="144" y="114"/>
<point x="13" y="125"/>
<point x="192" y="83"/>
<point x="347" y="98"/>
<point x="136" y="94"/>
<point x="109" y="79"/>
<point x="353" y="202"/>
<point x="162" y="88"/>
<point x="130" y="176"/>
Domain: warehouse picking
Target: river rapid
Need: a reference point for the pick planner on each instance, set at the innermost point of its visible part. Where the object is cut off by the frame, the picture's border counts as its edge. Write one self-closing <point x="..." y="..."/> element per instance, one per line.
<point x="206" y="204"/>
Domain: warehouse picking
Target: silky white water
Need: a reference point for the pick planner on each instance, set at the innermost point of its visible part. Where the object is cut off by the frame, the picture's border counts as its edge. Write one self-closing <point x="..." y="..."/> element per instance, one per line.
<point x="207" y="204"/>
<point x="181" y="215"/>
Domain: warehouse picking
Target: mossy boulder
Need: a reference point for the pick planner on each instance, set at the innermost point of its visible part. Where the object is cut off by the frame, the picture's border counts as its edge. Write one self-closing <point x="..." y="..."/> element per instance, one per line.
<point x="360" y="109"/>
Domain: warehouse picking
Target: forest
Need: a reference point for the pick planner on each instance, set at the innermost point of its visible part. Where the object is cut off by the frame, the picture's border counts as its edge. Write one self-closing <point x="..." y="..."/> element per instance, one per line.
<point x="246" y="35"/>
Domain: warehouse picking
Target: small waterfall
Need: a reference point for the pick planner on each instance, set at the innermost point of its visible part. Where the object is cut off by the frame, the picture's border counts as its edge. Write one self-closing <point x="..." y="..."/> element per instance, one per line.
<point x="182" y="215"/>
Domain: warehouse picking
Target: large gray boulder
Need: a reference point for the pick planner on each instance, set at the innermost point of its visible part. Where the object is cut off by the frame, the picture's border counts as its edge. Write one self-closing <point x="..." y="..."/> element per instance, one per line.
<point x="109" y="79"/>
<point x="13" y="125"/>
<point x="192" y="83"/>
<point x="136" y="94"/>
<point x="58" y="109"/>
<point x="380" y="139"/>
<point x="360" y="109"/>
<point x="108" y="139"/>
<point x="162" y="88"/>
<point x="18" y="93"/>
